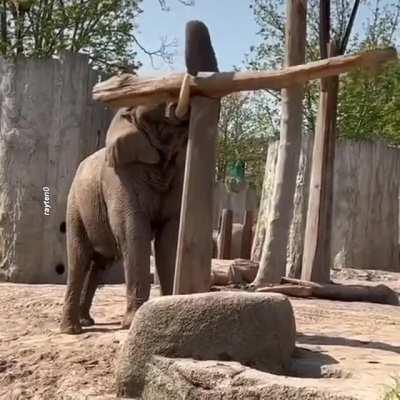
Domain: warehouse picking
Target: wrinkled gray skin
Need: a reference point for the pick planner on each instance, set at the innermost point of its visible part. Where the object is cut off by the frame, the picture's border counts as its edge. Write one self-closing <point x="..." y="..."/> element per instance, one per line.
<point x="122" y="196"/>
<point x="128" y="193"/>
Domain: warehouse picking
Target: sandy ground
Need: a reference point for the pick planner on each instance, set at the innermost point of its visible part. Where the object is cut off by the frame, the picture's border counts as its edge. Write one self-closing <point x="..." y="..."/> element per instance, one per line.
<point x="350" y="342"/>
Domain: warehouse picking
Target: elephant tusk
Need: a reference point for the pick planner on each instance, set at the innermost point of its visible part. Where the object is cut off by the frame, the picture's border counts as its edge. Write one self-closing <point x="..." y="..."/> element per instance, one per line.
<point x="182" y="107"/>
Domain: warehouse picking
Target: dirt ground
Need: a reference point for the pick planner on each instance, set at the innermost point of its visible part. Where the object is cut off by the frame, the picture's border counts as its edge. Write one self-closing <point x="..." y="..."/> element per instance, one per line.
<point x="357" y="343"/>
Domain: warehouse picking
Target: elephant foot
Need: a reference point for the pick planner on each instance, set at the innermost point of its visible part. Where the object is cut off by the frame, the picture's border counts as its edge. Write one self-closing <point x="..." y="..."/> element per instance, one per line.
<point x="70" y="328"/>
<point x="86" y="321"/>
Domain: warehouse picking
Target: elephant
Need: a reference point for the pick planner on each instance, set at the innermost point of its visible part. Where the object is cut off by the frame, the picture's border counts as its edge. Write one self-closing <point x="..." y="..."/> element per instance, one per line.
<point x="127" y="194"/>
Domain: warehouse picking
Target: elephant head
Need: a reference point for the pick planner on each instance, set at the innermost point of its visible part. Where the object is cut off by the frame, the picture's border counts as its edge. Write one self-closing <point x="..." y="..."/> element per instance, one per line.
<point x="154" y="133"/>
<point x="148" y="134"/>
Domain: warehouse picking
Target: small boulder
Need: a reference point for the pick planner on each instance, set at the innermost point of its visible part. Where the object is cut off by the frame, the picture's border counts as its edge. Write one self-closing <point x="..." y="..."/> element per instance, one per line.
<point x="254" y="329"/>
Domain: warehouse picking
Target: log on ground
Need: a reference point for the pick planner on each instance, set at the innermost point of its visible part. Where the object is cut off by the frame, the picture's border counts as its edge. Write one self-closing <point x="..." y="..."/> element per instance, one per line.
<point x="226" y="272"/>
<point x="299" y="288"/>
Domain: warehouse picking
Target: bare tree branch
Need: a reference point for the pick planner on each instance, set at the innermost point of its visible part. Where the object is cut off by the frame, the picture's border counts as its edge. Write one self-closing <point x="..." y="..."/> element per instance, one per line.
<point x="164" y="6"/>
<point x="162" y="51"/>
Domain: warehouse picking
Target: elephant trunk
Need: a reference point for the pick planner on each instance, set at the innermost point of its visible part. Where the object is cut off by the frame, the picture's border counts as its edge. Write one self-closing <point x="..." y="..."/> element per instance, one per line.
<point x="199" y="57"/>
<point x="199" y="53"/>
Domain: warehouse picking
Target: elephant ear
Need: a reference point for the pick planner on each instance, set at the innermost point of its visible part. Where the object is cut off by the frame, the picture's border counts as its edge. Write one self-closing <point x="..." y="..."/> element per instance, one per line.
<point x="127" y="143"/>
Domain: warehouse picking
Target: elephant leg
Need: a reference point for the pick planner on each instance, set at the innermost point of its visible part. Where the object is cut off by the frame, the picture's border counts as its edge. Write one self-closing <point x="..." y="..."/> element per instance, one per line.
<point x="136" y="249"/>
<point x="165" y="249"/>
<point x="89" y="289"/>
<point x="92" y="280"/>
<point x="79" y="254"/>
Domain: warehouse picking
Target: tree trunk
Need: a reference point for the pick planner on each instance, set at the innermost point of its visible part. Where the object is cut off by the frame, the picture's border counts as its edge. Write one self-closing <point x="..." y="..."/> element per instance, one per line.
<point x="273" y="258"/>
<point x="298" y="224"/>
<point x="265" y="202"/>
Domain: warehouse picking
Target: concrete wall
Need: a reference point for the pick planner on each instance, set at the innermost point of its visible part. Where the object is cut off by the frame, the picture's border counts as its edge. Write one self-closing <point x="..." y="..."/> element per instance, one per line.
<point x="48" y="124"/>
<point x="365" y="228"/>
<point x="366" y="206"/>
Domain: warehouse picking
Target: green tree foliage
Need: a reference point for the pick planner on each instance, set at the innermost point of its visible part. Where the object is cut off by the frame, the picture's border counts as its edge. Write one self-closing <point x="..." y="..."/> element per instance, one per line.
<point x="244" y="131"/>
<point x="377" y="25"/>
<point x="103" y="29"/>
<point x="369" y="104"/>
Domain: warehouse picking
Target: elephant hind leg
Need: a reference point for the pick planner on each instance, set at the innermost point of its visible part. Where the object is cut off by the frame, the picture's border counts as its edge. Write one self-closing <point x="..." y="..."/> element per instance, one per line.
<point x="93" y="277"/>
<point x="79" y="252"/>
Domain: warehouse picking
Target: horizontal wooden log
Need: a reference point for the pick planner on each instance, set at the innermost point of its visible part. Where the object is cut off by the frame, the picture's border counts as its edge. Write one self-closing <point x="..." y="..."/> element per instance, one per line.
<point x="373" y="294"/>
<point x="288" y="290"/>
<point x="130" y="90"/>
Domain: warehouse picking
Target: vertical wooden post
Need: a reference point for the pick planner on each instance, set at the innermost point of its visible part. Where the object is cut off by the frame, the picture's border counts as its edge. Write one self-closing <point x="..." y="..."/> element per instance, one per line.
<point x="224" y="244"/>
<point x="317" y="240"/>
<point x="247" y="235"/>
<point x="273" y="257"/>
<point x="194" y="251"/>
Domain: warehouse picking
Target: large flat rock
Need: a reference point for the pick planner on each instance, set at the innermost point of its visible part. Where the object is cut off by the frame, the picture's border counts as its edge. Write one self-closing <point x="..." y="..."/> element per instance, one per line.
<point x="176" y="379"/>
<point x="257" y="330"/>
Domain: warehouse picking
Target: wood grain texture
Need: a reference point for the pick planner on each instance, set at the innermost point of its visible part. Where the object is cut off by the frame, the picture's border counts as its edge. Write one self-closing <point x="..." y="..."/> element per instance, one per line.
<point x="224" y="242"/>
<point x="273" y="257"/>
<point x="130" y="90"/>
<point x="247" y="235"/>
<point x="48" y="124"/>
<point x="316" y="256"/>
<point x="317" y="239"/>
<point x="194" y="251"/>
<point x="365" y="221"/>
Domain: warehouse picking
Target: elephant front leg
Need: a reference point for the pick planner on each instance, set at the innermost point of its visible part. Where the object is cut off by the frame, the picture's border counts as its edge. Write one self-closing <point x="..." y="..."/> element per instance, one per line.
<point x="136" y="260"/>
<point x="165" y="252"/>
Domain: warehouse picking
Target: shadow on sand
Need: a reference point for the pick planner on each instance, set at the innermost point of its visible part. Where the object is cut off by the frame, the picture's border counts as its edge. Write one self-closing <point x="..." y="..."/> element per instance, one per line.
<point x="342" y="341"/>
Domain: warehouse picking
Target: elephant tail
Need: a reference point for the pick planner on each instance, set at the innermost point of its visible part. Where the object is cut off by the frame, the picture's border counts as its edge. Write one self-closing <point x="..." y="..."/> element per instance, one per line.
<point x="199" y="53"/>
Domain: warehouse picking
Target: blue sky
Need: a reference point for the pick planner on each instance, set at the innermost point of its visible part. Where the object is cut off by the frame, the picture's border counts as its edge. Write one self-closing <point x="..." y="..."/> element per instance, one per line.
<point x="231" y="24"/>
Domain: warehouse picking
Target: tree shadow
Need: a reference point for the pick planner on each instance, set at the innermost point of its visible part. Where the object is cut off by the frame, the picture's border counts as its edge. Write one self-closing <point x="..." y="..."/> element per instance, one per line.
<point x="342" y="341"/>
